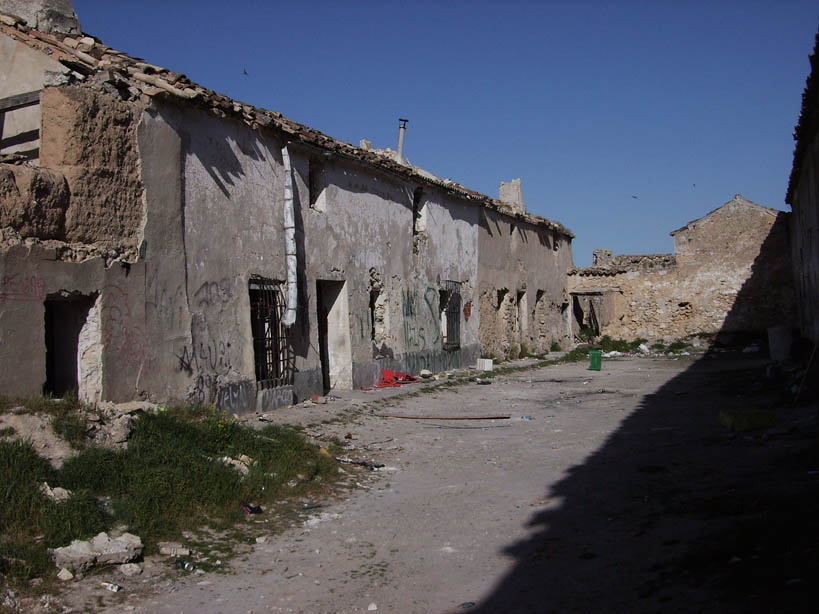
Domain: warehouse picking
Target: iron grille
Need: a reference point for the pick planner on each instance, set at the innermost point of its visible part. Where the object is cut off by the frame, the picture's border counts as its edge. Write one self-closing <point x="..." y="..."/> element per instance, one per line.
<point x="272" y="351"/>
<point x="450" y="298"/>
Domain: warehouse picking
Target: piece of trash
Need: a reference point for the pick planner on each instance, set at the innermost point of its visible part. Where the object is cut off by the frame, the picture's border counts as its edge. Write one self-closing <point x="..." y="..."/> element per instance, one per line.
<point x="483" y="382"/>
<point x="173" y="549"/>
<point x="372" y="607"/>
<point x="324" y="452"/>
<point x="526" y="418"/>
<point x="364" y="463"/>
<point x="425" y="373"/>
<point x="643" y="349"/>
<point x="751" y="349"/>
<point x="393" y="379"/>
<point x="318" y="399"/>
<point x="251" y="509"/>
<point x="110" y="586"/>
<point x="466" y="605"/>
<point x="186" y="565"/>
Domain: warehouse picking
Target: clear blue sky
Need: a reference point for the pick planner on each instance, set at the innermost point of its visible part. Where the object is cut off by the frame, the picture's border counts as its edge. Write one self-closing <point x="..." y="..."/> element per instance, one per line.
<point x="679" y="104"/>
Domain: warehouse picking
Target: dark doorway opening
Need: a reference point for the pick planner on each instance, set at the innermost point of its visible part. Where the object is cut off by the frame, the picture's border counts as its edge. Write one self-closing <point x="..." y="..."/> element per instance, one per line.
<point x="65" y="316"/>
<point x="333" y="335"/>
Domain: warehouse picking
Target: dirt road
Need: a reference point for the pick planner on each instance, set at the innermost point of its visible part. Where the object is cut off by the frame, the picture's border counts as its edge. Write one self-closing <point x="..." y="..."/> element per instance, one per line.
<point x="612" y="491"/>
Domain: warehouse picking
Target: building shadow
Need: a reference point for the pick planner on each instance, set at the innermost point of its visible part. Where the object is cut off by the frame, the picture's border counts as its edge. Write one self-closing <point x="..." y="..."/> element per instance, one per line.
<point x="675" y="513"/>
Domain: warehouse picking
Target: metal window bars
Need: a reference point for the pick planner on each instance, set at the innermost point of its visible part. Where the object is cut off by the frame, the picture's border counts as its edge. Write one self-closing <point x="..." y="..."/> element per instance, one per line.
<point x="272" y="350"/>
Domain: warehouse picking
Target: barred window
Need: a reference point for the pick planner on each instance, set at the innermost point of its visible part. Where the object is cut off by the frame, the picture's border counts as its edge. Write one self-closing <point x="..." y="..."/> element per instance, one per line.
<point x="272" y="352"/>
<point x="449" y="300"/>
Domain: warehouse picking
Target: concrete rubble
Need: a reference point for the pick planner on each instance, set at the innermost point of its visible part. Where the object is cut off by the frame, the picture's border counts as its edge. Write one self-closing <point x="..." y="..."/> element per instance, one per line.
<point x="82" y="555"/>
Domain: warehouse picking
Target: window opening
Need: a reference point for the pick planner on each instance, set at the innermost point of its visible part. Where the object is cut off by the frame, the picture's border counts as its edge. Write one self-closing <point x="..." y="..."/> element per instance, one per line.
<point x="450" y="305"/>
<point x="417" y="195"/>
<point x="272" y="352"/>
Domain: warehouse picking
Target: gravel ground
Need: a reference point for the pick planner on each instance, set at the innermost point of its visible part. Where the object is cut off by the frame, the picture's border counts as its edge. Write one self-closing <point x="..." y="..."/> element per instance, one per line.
<point x="611" y="491"/>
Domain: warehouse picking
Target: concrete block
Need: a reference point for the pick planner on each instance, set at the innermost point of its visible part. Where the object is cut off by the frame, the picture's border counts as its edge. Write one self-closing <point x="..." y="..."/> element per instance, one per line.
<point x="485" y="364"/>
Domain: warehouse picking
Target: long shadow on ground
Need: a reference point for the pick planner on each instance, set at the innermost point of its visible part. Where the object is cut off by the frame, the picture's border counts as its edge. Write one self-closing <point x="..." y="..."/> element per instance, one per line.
<point x="676" y="514"/>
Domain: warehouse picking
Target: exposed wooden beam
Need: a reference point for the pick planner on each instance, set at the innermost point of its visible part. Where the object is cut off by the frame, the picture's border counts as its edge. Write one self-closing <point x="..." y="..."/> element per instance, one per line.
<point x="19" y="101"/>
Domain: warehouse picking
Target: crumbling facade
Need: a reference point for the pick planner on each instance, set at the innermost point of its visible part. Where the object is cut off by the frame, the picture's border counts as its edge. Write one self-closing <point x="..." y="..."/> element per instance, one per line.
<point x="158" y="239"/>
<point x="803" y="197"/>
<point x="727" y="273"/>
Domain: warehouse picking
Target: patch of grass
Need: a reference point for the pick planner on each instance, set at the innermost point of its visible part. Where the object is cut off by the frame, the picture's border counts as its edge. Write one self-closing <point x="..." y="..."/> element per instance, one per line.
<point x="658" y="347"/>
<point x="169" y="480"/>
<point x="677" y="346"/>
<point x="71" y="426"/>
<point x="29" y="521"/>
<point x="40" y="404"/>
<point x="555" y="347"/>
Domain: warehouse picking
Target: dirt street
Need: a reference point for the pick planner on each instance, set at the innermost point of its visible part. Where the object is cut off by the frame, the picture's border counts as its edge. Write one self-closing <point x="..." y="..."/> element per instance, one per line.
<point x="612" y="491"/>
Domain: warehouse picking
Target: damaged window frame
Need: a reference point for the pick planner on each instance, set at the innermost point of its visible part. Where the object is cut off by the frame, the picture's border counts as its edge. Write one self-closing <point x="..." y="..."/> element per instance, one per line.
<point x="273" y="358"/>
<point x="449" y="302"/>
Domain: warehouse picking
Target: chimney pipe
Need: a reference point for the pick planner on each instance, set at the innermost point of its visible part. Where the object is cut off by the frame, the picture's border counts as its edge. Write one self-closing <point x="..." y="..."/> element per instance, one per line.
<point x="402" y="130"/>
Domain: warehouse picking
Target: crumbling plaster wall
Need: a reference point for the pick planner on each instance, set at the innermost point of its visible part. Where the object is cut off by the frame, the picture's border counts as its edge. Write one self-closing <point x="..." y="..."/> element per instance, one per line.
<point x="90" y="137"/>
<point x="523" y="293"/>
<point x="31" y="272"/>
<point x="362" y="233"/>
<point x="214" y="200"/>
<point x="805" y="241"/>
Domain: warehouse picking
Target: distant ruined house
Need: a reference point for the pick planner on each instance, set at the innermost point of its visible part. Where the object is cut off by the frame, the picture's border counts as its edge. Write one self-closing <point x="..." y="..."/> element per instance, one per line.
<point x="803" y="197"/>
<point x="161" y="241"/>
<point x="730" y="271"/>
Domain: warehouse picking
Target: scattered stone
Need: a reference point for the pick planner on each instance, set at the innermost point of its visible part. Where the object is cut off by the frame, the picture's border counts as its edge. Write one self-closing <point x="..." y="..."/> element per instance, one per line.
<point x="102" y="550"/>
<point x="55" y="494"/>
<point x="65" y="575"/>
<point x="130" y="569"/>
<point x="425" y="373"/>
<point x="242" y="464"/>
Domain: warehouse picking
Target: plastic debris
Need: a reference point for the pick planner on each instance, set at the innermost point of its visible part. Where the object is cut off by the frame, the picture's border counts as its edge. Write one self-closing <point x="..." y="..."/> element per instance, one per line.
<point x="526" y="418"/>
<point x="173" y="549"/>
<point x="393" y="379"/>
<point x="251" y="509"/>
<point x="643" y="349"/>
<point x="186" y="565"/>
<point x="110" y="586"/>
<point x="372" y="607"/>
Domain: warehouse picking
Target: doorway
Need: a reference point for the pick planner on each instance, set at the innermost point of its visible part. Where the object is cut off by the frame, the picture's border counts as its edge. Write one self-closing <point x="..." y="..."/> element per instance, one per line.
<point x="335" y="351"/>
<point x="65" y="317"/>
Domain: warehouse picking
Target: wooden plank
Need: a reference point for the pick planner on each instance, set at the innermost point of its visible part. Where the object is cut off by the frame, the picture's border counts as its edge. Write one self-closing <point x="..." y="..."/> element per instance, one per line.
<point x="19" y="101"/>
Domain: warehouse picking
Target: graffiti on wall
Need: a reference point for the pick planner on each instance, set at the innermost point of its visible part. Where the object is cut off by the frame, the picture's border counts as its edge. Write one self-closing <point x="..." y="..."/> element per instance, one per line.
<point x="22" y="288"/>
<point x="422" y="325"/>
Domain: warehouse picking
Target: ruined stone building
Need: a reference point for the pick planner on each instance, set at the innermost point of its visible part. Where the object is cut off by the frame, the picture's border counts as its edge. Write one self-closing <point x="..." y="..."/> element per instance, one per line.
<point x="729" y="272"/>
<point x="159" y="240"/>
<point x="803" y="197"/>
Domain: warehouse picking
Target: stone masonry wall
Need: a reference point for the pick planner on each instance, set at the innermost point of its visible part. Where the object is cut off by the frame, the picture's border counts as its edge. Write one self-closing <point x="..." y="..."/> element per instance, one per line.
<point x="730" y="272"/>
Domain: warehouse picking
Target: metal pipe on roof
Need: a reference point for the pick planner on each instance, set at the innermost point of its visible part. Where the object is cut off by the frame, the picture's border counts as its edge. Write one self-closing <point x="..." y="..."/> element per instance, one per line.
<point x="402" y="130"/>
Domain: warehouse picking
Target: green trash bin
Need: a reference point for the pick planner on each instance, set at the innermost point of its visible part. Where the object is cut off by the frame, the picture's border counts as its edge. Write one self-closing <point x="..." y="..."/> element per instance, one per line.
<point x="596" y="359"/>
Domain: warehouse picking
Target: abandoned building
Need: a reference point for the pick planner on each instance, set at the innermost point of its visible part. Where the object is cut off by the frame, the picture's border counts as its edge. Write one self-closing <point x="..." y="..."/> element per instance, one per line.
<point x="161" y="241"/>
<point x="729" y="272"/>
<point x="803" y="197"/>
